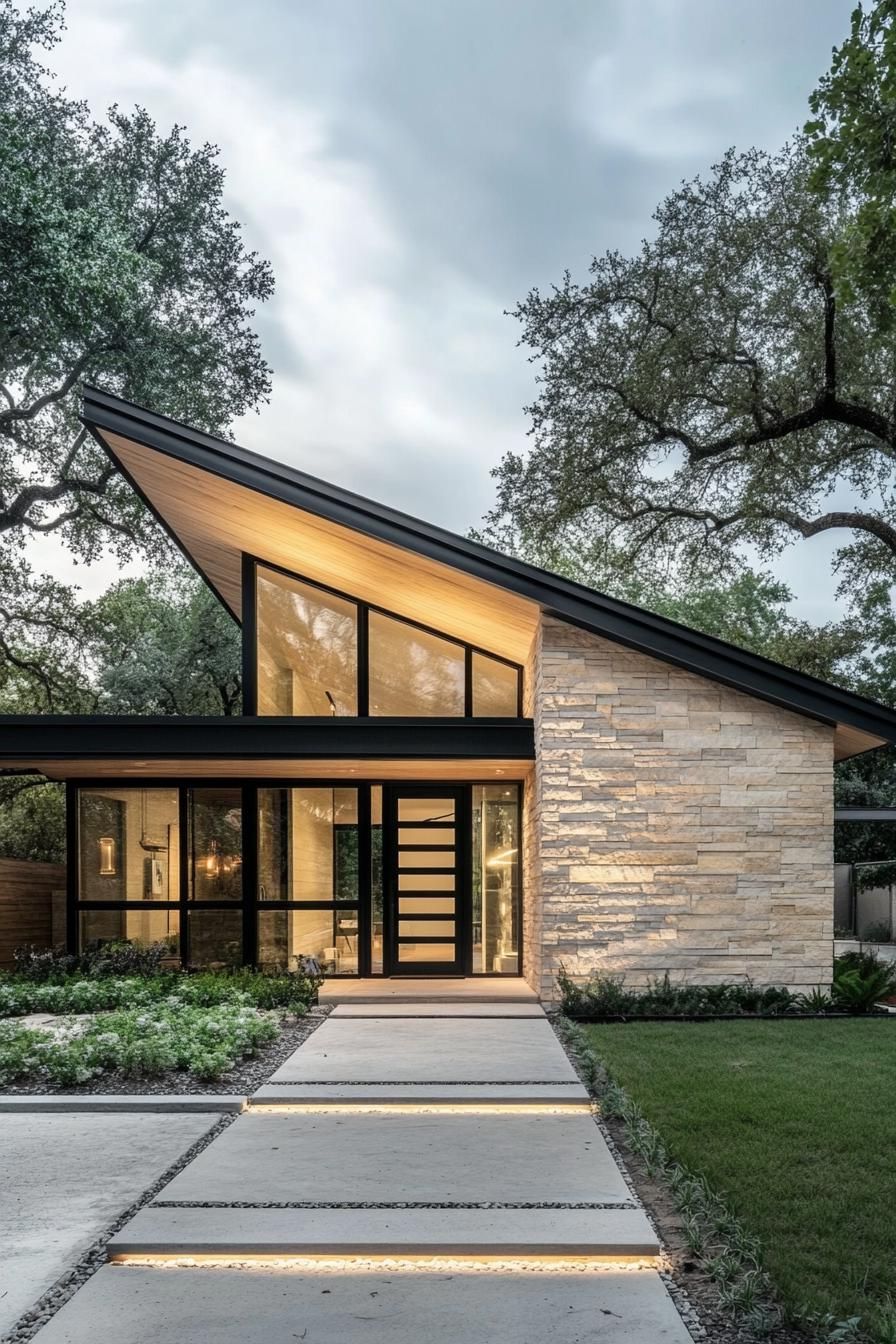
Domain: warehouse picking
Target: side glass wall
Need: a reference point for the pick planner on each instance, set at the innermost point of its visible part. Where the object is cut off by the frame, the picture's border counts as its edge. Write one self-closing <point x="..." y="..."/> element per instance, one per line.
<point x="166" y="865"/>
<point x="496" y="878"/>
<point x="215" y="877"/>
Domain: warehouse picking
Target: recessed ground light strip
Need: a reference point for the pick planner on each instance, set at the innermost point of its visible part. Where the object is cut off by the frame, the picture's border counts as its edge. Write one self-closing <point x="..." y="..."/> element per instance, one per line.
<point x="507" y="1263"/>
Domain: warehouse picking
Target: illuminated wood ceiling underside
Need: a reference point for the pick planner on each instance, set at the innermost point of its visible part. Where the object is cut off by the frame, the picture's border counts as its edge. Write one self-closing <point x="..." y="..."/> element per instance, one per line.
<point x="420" y="771"/>
<point x="215" y="520"/>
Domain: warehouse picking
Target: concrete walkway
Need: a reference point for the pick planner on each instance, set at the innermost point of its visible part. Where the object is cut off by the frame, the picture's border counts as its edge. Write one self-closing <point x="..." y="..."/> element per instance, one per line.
<point x="404" y="1177"/>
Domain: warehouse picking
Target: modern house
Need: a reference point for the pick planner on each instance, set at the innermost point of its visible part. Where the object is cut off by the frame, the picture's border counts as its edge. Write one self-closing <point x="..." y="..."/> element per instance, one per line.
<point x="449" y="762"/>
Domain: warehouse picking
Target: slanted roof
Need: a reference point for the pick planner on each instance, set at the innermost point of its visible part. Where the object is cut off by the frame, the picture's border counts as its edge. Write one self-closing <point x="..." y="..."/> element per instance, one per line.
<point x="218" y="501"/>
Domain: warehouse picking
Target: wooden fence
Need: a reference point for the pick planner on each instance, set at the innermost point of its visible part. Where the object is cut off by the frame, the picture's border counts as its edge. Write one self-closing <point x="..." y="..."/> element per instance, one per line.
<point x="32" y="906"/>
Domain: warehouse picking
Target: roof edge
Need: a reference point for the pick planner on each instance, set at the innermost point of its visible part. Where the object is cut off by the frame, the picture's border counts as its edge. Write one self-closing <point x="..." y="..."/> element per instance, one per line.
<point x="598" y="613"/>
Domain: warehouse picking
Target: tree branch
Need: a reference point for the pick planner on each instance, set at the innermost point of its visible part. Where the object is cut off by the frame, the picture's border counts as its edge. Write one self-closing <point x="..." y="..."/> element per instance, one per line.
<point x="17" y="413"/>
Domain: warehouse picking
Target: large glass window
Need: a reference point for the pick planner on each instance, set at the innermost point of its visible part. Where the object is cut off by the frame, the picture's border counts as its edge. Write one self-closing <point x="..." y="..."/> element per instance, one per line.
<point x="495" y="688"/>
<point x="215" y="937"/>
<point x="129" y="859"/>
<point x="216" y="844"/>
<point x="307" y="648"/>
<point x="319" y="654"/>
<point x="496" y="882"/>
<point x="129" y="845"/>
<point x="308" y="861"/>
<point x="412" y="672"/>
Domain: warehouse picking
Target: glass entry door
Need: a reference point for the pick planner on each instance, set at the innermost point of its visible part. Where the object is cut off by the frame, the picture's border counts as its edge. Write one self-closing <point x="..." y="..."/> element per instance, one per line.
<point x="426" y="875"/>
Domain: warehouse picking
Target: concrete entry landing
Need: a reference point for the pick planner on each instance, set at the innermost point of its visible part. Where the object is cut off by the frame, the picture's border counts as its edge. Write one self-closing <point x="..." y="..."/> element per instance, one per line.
<point x="406" y="989"/>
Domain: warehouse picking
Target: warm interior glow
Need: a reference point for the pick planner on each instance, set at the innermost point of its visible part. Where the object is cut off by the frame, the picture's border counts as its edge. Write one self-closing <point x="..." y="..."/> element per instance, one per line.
<point x="107" y="856"/>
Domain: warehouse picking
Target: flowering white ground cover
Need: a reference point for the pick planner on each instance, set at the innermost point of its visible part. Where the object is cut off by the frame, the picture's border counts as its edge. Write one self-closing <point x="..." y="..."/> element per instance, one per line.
<point x="144" y="1041"/>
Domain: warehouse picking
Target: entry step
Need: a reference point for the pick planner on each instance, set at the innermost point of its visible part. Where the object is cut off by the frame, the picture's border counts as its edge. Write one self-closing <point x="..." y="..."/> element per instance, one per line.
<point x="244" y="1233"/>
<point x="421" y="1009"/>
<point x="421" y="1094"/>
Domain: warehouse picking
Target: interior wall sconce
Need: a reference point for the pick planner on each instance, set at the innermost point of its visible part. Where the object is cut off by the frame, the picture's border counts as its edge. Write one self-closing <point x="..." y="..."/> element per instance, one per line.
<point x="108" y="856"/>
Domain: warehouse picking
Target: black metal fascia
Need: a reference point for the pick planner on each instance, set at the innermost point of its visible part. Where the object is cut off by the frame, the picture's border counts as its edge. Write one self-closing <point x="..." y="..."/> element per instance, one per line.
<point x="595" y="612"/>
<point x="59" y="737"/>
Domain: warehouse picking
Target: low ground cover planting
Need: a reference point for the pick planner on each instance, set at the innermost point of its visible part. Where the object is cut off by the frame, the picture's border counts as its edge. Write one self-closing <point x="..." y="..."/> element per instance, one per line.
<point x="860" y="983"/>
<point x="119" y="1012"/>
<point x="137" y="1042"/>
<point x="794" y="1125"/>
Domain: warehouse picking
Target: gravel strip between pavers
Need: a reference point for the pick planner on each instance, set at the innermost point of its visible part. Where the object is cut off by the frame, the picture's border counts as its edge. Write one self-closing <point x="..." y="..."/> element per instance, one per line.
<point x="375" y="1204"/>
<point x="94" y="1257"/>
<point x="248" y="1075"/>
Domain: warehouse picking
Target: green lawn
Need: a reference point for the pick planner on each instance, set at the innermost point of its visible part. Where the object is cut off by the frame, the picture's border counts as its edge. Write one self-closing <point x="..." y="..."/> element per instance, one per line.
<point x="795" y="1124"/>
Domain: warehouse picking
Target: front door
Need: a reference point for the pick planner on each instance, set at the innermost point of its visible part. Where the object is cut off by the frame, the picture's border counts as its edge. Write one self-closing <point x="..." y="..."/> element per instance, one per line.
<point x="426" y="878"/>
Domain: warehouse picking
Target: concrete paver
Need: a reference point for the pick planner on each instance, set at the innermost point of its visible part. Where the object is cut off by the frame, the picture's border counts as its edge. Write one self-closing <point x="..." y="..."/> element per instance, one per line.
<point x="102" y="1103"/>
<point x="420" y="1051"/>
<point x="65" y="1178"/>
<point x="232" y="1306"/>
<point x="339" y="1157"/>
<point x="237" y="1232"/>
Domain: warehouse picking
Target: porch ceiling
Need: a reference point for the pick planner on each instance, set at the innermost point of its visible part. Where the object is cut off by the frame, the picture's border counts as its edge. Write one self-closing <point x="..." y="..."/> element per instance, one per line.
<point x="422" y="770"/>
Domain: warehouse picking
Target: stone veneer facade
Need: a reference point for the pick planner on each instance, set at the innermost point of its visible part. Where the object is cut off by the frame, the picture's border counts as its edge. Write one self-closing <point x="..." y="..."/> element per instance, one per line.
<point x="672" y="824"/>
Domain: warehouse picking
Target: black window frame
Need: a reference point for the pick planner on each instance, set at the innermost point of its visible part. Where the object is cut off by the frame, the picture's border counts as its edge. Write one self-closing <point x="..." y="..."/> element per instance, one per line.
<point x="250" y="567"/>
<point x="249" y="903"/>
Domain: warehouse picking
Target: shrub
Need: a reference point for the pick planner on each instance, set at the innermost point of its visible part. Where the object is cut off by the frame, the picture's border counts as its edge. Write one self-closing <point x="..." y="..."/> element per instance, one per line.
<point x="606" y="996"/>
<point x="858" y="993"/>
<point x="817" y="1000"/>
<point x="43" y="965"/>
<point x="878" y="932"/>
<point x="53" y="965"/>
<point x="865" y="962"/>
<point x="77" y="993"/>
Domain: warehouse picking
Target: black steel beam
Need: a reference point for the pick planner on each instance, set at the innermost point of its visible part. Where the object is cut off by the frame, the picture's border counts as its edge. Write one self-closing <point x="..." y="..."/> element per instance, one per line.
<point x="63" y="737"/>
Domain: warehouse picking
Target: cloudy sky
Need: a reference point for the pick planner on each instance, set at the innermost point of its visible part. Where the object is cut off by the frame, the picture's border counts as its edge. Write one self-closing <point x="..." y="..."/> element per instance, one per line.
<point x="413" y="167"/>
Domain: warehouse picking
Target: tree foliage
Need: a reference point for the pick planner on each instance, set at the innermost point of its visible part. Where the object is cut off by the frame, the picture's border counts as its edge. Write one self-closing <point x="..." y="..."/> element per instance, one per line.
<point x="159" y="645"/>
<point x="852" y="147"/>
<point x="118" y="265"/>
<point x="710" y="391"/>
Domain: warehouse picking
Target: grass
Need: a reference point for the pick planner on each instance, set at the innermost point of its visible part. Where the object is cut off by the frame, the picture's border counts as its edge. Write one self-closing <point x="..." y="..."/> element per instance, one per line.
<point x="794" y="1124"/>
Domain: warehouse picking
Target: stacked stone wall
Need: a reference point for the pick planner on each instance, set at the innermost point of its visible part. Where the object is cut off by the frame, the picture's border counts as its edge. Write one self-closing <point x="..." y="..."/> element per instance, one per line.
<point x="672" y="824"/>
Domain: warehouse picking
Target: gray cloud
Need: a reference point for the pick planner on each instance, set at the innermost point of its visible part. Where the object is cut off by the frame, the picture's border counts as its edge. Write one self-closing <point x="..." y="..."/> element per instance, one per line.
<point x="414" y="167"/>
